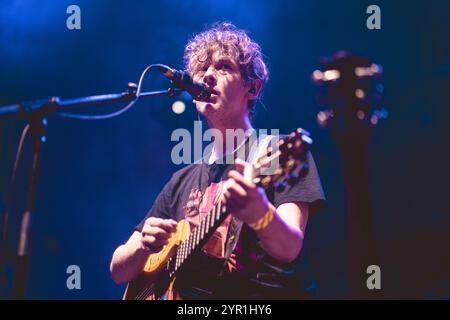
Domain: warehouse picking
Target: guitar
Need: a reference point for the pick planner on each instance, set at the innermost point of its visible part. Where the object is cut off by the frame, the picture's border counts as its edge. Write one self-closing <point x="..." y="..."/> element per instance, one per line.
<point x="352" y="91"/>
<point x="157" y="279"/>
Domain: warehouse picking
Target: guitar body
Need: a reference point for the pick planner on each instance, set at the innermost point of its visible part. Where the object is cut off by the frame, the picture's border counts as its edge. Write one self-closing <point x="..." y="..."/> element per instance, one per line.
<point x="154" y="282"/>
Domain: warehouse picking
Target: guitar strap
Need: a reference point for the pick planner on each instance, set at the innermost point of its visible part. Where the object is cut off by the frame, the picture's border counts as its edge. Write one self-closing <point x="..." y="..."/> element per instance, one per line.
<point x="256" y="151"/>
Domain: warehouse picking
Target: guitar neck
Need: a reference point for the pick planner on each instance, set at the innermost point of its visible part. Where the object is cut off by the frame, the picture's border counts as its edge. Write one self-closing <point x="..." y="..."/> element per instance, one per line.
<point x="197" y="238"/>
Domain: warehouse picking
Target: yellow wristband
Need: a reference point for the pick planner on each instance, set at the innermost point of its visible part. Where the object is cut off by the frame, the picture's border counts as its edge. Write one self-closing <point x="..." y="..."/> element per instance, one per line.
<point x="264" y="220"/>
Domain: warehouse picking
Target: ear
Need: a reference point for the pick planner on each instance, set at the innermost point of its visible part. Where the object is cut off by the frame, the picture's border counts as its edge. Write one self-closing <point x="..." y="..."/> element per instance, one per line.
<point x="255" y="89"/>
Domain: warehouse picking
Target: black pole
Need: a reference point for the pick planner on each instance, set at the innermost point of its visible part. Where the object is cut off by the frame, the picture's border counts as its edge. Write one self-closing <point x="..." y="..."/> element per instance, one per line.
<point x="35" y="112"/>
<point x="25" y="109"/>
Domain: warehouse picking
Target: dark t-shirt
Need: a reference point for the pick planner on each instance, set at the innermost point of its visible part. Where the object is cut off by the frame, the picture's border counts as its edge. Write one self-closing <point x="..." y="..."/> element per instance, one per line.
<point x="191" y="193"/>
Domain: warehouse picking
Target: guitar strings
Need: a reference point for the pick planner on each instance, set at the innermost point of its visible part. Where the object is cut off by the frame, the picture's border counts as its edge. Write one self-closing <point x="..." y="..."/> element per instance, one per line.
<point x="147" y="290"/>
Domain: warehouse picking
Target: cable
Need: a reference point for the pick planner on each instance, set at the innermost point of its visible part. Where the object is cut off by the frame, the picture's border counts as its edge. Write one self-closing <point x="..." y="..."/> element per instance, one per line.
<point x="10" y="196"/>
<point x="116" y="113"/>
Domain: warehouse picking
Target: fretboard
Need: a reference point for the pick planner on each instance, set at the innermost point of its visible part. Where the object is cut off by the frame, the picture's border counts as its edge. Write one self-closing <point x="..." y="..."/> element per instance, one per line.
<point x="197" y="238"/>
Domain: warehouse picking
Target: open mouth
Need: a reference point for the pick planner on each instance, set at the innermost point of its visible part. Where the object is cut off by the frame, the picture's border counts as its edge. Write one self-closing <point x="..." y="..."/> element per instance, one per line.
<point x="213" y="97"/>
<point x="214" y="92"/>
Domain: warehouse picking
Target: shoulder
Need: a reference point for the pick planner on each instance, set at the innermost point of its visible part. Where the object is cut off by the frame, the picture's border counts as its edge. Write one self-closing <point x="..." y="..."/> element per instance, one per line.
<point x="184" y="177"/>
<point x="187" y="171"/>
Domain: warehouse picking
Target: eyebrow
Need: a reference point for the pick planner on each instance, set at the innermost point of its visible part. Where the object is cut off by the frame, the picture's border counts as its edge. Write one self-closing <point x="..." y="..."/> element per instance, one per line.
<point x="224" y="59"/>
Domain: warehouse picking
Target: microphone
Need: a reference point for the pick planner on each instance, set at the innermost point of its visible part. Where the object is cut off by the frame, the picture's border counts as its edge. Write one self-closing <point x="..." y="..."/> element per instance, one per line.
<point x="183" y="81"/>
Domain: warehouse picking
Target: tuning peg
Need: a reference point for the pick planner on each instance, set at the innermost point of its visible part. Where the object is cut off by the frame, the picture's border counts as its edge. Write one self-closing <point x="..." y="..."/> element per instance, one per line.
<point x="294" y="175"/>
<point x="378" y="115"/>
<point x="360" y="94"/>
<point x="280" y="186"/>
<point x="265" y="182"/>
<point x="377" y="69"/>
<point x="303" y="132"/>
<point x="328" y="75"/>
<point x="373" y="70"/>
<point x="293" y="178"/>
<point x="360" y="114"/>
<point x="290" y="163"/>
<point x="323" y="117"/>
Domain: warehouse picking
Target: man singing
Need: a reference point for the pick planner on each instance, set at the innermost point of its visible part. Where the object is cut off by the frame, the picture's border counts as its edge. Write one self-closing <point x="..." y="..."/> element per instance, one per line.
<point x="265" y="261"/>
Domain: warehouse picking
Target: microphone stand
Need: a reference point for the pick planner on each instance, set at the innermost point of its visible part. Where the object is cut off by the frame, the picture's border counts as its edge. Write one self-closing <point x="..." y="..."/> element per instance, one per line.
<point x="35" y="112"/>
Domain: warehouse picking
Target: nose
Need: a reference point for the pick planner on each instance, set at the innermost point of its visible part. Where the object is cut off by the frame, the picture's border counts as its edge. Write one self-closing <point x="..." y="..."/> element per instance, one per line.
<point x="209" y="78"/>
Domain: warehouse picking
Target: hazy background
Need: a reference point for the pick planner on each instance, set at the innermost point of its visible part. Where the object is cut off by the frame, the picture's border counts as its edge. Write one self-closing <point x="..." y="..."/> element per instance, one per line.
<point x="99" y="178"/>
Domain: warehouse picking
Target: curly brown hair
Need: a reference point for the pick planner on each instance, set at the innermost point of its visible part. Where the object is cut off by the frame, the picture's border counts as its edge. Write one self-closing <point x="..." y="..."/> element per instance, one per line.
<point x="225" y="38"/>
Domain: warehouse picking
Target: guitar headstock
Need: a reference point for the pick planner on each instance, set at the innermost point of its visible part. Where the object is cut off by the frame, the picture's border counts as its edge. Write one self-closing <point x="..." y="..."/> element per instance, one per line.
<point x="352" y="91"/>
<point x="284" y="163"/>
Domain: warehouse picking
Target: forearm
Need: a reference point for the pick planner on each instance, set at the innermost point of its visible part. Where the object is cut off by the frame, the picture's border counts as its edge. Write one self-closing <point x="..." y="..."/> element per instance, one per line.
<point x="281" y="240"/>
<point x="129" y="259"/>
<point x="127" y="262"/>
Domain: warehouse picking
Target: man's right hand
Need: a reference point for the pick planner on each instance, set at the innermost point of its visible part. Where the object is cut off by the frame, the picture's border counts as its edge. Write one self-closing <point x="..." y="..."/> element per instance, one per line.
<point x="155" y="234"/>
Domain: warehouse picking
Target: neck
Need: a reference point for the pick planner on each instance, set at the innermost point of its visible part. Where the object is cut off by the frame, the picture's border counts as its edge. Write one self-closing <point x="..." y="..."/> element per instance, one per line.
<point x="220" y="147"/>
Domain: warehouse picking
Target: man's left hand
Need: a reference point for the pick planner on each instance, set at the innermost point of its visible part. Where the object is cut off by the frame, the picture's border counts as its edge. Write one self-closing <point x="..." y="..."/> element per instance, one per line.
<point x="244" y="199"/>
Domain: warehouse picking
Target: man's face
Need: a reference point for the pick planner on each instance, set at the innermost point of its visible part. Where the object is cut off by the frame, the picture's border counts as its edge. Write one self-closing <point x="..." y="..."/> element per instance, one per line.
<point x="230" y="93"/>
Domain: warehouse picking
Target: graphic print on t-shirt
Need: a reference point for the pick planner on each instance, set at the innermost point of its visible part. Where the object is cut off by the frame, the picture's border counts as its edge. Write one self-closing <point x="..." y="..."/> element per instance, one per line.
<point x="198" y="206"/>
